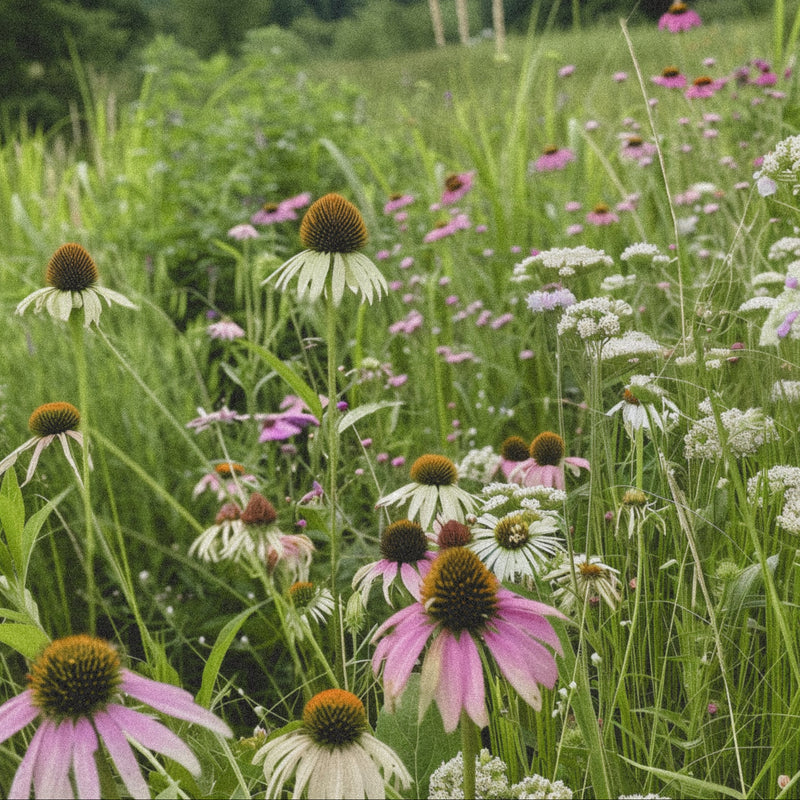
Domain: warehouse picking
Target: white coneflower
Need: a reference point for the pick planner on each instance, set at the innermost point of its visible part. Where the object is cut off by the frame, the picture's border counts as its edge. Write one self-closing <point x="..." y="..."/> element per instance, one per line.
<point x="433" y="490"/>
<point x="518" y="544"/>
<point x="49" y="422"/>
<point x="332" y="755"/>
<point x="584" y="580"/>
<point x="72" y="277"/>
<point x="214" y="540"/>
<point x="332" y="232"/>
<point x="645" y="405"/>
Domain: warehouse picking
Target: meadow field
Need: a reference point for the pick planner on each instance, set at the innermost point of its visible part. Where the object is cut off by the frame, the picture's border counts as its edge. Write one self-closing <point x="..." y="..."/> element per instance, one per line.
<point x="408" y="414"/>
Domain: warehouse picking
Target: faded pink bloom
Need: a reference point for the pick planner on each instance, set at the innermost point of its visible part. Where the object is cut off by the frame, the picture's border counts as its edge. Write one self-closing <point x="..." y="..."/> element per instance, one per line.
<point x="566" y="71"/>
<point x="272" y="213"/>
<point x="207" y="419"/>
<point x="243" y="232"/>
<point x="552" y="159"/>
<point x="456" y="186"/>
<point x="396" y="202"/>
<point x="225" y="329"/>
<point x="670" y="78"/>
<point x="601" y="214"/>
<point x="702" y="88"/>
<point x="457" y="222"/>
<point x="290" y="420"/>
<point x="463" y="612"/>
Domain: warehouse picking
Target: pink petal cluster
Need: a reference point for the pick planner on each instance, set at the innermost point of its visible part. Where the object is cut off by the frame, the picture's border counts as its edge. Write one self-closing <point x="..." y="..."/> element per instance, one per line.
<point x="679" y="18"/>
<point x="290" y="420"/>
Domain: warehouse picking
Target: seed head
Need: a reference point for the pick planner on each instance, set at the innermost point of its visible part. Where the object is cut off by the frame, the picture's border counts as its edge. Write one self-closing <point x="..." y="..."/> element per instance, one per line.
<point x="259" y="511"/>
<point x="514" y="449"/>
<point x="71" y="269"/>
<point x="403" y="542"/>
<point x="333" y="225"/>
<point x="547" y="449"/>
<point x="434" y="470"/>
<point x="334" y="717"/>
<point x="54" y="418"/>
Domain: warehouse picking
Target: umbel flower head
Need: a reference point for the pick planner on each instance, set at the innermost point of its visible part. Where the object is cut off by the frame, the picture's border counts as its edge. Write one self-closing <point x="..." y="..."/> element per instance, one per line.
<point x="75" y="690"/>
<point x="72" y="277"/>
<point x="464" y="611"/>
<point x="433" y="484"/>
<point x="333" y="232"/>
<point x="48" y="422"/>
<point x="332" y="755"/>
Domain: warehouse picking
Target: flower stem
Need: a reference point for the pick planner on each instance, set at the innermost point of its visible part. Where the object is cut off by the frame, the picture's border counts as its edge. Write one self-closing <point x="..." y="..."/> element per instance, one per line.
<point x="82" y="374"/>
<point x="469" y="752"/>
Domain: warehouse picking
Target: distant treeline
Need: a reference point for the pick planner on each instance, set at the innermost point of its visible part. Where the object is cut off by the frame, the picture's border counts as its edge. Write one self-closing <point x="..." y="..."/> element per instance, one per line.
<point x="43" y="38"/>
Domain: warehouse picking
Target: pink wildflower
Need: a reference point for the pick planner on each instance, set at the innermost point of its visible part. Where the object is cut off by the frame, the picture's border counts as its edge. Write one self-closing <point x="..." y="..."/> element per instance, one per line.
<point x="545" y="467"/>
<point x="456" y="186"/>
<point x="601" y="214"/>
<point x="463" y="610"/>
<point x="243" y="232"/>
<point x="290" y="420"/>
<point x="670" y="78"/>
<point x="553" y="158"/>
<point x="225" y="329"/>
<point x="679" y="18"/>
<point x="396" y="202"/>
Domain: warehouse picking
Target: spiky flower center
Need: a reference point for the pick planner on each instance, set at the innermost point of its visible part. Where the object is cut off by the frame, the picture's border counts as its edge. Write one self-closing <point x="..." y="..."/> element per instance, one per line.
<point x="670" y="72"/>
<point x="228" y="513"/>
<point x="270" y="208"/>
<point x="334" y="718"/>
<point x="547" y="449"/>
<point x="453" y="183"/>
<point x="433" y="470"/>
<point x="514" y="449"/>
<point x="75" y="677"/>
<point x="703" y="80"/>
<point x="629" y="397"/>
<point x="634" y="141"/>
<point x="404" y="542"/>
<point x="591" y="572"/>
<point x="513" y="532"/>
<point x="634" y="498"/>
<point x="333" y="225"/>
<point x="226" y="470"/>
<point x="459" y="591"/>
<point x="453" y="534"/>
<point x="71" y="269"/>
<point x="550" y="150"/>
<point x="601" y="208"/>
<point x="259" y="511"/>
<point x="54" y="418"/>
<point x="678" y="8"/>
<point x="301" y="592"/>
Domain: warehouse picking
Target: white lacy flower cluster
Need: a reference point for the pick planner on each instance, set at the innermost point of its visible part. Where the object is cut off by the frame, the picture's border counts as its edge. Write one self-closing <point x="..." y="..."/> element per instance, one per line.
<point x="632" y="344"/>
<point x="642" y="254"/>
<point x="780" y="481"/>
<point x="564" y="261"/>
<point x="491" y="781"/>
<point x="595" y="319"/>
<point x="714" y="358"/>
<point x="782" y="165"/>
<point x="787" y="391"/>
<point x="532" y="498"/>
<point x="745" y="431"/>
<point x="785" y="247"/>
<point x="479" y="464"/>
<point x="614" y="282"/>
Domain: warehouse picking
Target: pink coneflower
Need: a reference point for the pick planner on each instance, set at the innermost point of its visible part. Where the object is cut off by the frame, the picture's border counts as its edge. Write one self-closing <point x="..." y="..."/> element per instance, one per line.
<point x="404" y="548"/>
<point x="290" y="420"/>
<point x="272" y="213"/>
<point x="566" y="71"/>
<point x="601" y="214"/>
<point x="553" y="158"/>
<point x="702" y="87"/>
<point x="464" y="611"/>
<point x="458" y="222"/>
<point x="637" y="149"/>
<point x="670" y="78"/>
<point x="545" y="467"/>
<point x="224" y="480"/>
<point x="75" y="688"/>
<point x="297" y="202"/>
<point x="396" y="202"/>
<point x="679" y="18"/>
<point x="619" y="77"/>
<point x="456" y="186"/>
<point x="225" y="329"/>
<point x="243" y="232"/>
<point x="513" y="452"/>
<point x="207" y="419"/>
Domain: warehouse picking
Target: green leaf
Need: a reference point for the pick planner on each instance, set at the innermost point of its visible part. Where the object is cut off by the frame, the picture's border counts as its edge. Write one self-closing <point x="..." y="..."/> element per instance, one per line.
<point x="29" y="640"/>
<point x="297" y="384"/>
<point x="351" y="417"/>
<point x="12" y="518"/>
<point x="694" y="787"/>
<point x="422" y="746"/>
<point x="31" y="532"/>
<point x="218" y="651"/>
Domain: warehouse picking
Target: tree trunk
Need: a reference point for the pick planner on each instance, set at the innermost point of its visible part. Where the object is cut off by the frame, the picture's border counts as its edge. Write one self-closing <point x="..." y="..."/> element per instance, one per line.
<point x="438" y="25"/>
<point x="499" y="24"/>
<point x="463" y="21"/>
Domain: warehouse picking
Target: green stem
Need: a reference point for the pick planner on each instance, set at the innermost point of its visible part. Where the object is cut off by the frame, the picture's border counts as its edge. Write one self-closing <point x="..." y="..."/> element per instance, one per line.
<point x="82" y="374"/>
<point x="639" y="457"/>
<point x="469" y="751"/>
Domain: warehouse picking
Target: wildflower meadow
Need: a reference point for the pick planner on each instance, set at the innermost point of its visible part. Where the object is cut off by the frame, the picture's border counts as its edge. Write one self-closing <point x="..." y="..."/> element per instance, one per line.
<point x="421" y="427"/>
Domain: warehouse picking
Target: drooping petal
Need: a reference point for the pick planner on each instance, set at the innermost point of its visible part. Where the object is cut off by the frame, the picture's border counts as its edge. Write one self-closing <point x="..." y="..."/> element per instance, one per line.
<point x="16" y="713"/>
<point x="51" y="775"/>
<point x="84" y="767"/>
<point x="155" y="736"/>
<point x="431" y="675"/>
<point x="23" y="779"/>
<point x="122" y="755"/>
<point x="473" y="692"/>
<point x="171" y="700"/>
<point x="41" y="444"/>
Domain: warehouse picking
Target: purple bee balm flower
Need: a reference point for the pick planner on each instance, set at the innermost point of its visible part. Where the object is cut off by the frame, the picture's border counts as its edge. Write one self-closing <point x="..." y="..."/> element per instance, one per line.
<point x="464" y="613"/>
<point x="290" y="420"/>
<point x="553" y="158"/>
<point x="75" y="689"/>
<point x="679" y="18"/>
<point x="456" y="186"/>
